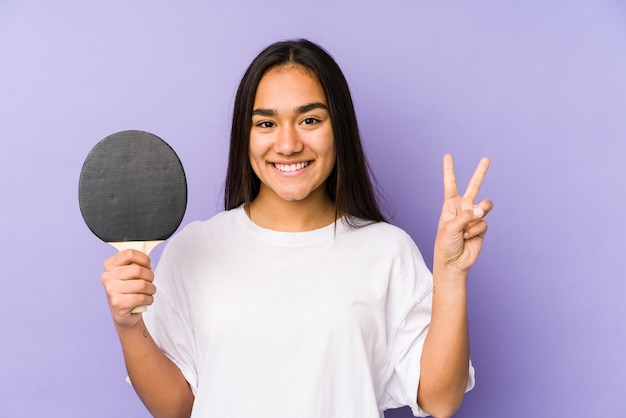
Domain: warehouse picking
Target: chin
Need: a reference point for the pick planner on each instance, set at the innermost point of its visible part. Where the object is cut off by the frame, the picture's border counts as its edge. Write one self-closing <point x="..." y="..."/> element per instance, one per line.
<point x="294" y="198"/>
<point x="294" y="195"/>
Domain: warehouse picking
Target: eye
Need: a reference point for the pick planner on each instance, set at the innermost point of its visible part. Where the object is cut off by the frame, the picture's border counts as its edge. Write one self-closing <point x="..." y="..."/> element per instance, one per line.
<point x="265" y="124"/>
<point x="310" y="121"/>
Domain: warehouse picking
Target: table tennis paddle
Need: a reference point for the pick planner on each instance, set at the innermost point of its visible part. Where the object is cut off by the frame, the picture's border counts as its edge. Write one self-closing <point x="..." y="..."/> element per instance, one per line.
<point x="132" y="191"/>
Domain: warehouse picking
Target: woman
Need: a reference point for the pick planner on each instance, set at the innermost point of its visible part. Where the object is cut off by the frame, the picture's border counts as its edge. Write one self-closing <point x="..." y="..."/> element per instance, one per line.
<point x="299" y="299"/>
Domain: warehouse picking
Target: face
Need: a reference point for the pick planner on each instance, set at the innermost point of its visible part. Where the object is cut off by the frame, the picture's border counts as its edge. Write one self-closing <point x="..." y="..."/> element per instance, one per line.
<point x="292" y="147"/>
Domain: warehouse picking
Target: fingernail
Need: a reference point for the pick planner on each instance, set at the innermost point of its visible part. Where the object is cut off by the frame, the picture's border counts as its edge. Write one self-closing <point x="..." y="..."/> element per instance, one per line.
<point x="478" y="211"/>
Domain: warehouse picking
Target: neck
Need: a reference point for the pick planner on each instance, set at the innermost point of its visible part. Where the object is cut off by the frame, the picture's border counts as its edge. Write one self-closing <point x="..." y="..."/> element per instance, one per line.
<point x="292" y="216"/>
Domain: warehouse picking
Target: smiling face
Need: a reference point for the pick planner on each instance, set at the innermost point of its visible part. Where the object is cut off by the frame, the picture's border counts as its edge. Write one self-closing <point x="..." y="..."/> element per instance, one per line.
<point x="292" y="146"/>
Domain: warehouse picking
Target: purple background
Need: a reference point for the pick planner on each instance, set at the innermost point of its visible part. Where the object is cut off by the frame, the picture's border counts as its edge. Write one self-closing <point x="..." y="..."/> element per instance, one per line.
<point x="539" y="86"/>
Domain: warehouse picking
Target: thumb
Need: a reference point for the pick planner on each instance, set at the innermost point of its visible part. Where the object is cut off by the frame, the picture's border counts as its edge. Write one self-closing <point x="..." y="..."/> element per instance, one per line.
<point x="464" y="219"/>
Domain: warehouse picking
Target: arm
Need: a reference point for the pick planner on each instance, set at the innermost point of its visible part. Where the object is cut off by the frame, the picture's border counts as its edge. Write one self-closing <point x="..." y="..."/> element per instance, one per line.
<point x="127" y="280"/>
<point x="445" y="357"/>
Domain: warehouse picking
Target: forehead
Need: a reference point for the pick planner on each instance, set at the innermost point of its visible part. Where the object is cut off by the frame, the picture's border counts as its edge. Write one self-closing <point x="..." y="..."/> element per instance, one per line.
<point x="286" y="84"/>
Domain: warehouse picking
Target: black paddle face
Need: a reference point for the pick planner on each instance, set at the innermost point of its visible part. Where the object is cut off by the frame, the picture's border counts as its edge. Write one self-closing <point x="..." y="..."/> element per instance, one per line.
<point x="132" y="187"/>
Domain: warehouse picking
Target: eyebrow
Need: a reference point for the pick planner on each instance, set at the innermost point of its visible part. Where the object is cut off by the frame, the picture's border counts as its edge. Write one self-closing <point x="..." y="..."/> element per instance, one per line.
<point x="298" y="110"/>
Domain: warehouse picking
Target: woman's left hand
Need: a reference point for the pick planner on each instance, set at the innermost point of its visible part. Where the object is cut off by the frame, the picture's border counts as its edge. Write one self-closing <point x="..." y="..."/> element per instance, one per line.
<point x="462" y="227"/>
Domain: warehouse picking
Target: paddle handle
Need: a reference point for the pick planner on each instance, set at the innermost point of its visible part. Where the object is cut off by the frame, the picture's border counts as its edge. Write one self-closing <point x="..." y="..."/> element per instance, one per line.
<point x="145" y="247"/>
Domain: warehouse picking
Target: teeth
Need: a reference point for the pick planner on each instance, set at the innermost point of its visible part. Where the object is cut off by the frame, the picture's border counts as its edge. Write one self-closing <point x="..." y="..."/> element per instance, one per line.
<point x="288" y="168"/>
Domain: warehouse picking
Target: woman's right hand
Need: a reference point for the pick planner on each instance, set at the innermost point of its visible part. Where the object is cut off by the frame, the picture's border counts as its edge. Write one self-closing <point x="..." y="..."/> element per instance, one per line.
<point x="128" y="282"/>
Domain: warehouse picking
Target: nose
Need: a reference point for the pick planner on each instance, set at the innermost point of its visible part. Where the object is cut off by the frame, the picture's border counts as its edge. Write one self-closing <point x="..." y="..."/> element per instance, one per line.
<point x="288" y="141"/>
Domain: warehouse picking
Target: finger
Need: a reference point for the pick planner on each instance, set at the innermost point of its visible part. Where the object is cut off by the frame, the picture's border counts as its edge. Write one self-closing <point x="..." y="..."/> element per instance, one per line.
<point x="124" y="295"/>
<point x="138" y="287"/>
<point x="477" y="179"/>
<point x="475" y="229"/>
<point x="449" y="178"/>
<point x="125" y="303"/>
<point x="128" y="272"/>
<point x="128" y="286"/>
<point x="457" y="225"/>
<point x="126" y="257"/>
<point x="486" y="205"/>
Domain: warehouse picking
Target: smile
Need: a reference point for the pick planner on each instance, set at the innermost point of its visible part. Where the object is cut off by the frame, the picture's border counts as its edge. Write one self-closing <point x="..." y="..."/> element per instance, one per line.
<point x="288" y="168"/>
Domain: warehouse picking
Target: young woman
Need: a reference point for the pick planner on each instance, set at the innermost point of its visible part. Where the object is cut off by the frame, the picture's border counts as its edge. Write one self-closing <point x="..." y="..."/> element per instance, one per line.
<point x="299" y="299"/>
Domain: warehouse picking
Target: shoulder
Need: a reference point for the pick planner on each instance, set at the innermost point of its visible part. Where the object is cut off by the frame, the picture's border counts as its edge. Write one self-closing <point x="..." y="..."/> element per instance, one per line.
<point x="199" y="231"/>
<point x="381" y="232"/>
<point x="219" y="221"/>
<point x="384" y="240"/>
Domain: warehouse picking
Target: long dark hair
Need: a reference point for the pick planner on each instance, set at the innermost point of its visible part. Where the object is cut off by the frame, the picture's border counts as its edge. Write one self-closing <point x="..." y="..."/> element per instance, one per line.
<point x="349" y="184"/>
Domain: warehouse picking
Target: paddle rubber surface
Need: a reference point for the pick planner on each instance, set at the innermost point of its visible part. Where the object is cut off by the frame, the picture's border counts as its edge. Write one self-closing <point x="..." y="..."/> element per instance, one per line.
<point x="132" y="187"/>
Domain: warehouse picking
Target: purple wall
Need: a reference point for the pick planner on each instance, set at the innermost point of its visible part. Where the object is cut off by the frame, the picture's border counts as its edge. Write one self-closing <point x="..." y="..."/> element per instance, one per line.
<point x="538" y="86"/>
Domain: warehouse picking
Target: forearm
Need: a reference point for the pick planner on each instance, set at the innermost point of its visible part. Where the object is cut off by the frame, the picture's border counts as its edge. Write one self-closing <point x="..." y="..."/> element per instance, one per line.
<point x="157" y="380"/>
<point x="445" y="358"/>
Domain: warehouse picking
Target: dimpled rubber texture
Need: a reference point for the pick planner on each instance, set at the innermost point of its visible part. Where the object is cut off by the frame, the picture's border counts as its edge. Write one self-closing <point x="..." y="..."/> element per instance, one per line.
<point x="132" y="187"/>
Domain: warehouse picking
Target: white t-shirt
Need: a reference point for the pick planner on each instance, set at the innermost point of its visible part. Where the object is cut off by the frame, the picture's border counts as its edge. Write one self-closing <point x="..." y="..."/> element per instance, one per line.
<point x="328" y="323"/>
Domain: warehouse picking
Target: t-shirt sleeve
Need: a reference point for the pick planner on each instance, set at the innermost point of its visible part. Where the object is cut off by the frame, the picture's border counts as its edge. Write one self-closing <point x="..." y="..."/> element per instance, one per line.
<point x="408" y="318"/>
<point x="167" y="319"/>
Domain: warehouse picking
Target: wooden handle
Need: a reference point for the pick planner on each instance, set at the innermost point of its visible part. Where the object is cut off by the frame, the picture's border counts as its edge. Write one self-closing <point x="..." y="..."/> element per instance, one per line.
<point x="144" y="246"/>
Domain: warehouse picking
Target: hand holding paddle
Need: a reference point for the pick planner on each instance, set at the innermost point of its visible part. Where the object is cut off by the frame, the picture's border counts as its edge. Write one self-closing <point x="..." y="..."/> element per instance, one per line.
<point x="132" y="191"/>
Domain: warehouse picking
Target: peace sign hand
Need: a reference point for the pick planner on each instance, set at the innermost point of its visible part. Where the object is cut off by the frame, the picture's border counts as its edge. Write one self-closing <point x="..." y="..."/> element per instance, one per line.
<point x="461" y="227"/>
